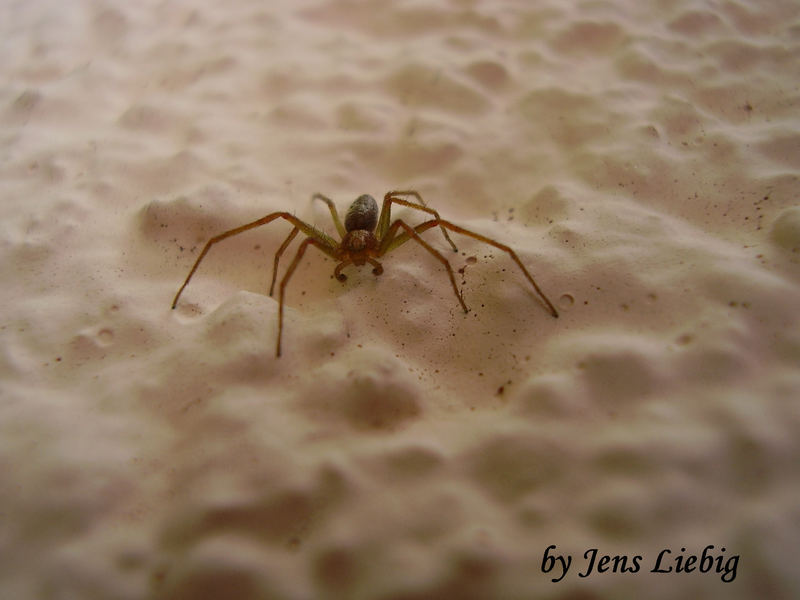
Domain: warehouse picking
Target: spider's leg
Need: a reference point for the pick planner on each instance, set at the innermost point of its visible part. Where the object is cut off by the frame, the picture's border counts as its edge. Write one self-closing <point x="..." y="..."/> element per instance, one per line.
<point x="392" y="240"/>
<point x="310" y="231"/>
<point x="282" y="289"/>
<point x="386" y="213"/>
<point x="278" y="254"/>
<point x="334" y="213"/>
<point x="411" y="233"/>
<point x="499" y="246"/>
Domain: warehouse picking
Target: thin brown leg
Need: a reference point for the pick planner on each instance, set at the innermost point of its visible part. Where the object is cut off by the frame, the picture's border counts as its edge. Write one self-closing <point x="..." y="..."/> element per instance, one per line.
<point x="386" y="213"/>
<point x="412" y="234"/>
<point x="325" y="240"/>
<point x="278" y="254"/>
<point x="394" y="242"/>
<point x="504" y="248"/>
<point x="282" y="289"/>
<point x="334" y="213"/>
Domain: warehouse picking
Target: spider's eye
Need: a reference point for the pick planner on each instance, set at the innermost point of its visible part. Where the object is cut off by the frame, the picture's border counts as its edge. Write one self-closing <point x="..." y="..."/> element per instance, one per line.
<point x="362" y="214"/>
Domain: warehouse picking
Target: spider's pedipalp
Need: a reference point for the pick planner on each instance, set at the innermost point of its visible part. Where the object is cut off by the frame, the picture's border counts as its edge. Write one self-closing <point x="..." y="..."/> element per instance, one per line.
<point x="377" y="267"/>
<point x="337" y="272"/>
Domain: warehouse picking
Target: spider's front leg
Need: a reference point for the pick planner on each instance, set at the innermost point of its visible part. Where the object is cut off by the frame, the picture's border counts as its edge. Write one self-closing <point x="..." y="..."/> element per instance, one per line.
<point x="504" y="248"/>
<point x="327" y="249"/>
<point x="336" y="221"/>
<point x="386" y="213"/>
<point x="236" y="231"/>
<point x="394" y="241"/>
<point x="411" y="233"/>
<point x="298" y="225"/>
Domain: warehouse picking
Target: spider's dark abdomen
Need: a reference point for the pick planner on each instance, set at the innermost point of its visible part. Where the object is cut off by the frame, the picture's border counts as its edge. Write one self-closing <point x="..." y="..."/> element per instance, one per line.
<point x="362" y="214"/>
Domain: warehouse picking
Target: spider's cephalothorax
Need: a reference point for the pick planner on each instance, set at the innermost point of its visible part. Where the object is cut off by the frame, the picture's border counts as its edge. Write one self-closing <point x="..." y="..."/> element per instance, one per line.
<point x="365" y="236"/>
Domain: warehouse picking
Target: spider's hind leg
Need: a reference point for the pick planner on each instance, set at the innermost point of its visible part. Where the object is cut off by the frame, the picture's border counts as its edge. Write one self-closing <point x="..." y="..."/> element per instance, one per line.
<point x="334" y="213"/>
<point x="390" y="242"/>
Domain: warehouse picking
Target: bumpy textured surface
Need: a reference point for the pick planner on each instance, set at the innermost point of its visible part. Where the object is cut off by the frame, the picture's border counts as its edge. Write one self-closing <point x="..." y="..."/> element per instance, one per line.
<point x="641" y="157"/>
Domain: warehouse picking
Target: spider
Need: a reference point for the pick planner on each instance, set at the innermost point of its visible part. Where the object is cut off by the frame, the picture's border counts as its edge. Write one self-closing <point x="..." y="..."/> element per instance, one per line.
<point x="361" y="242"/>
